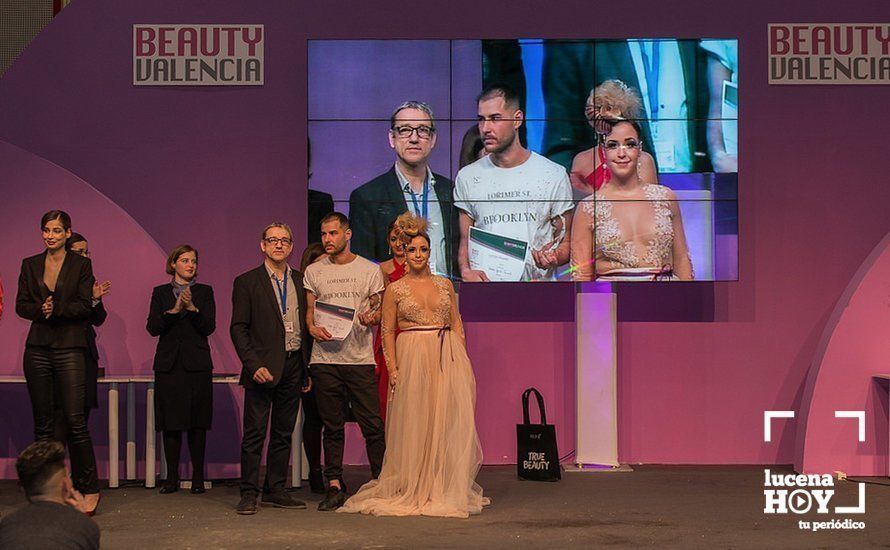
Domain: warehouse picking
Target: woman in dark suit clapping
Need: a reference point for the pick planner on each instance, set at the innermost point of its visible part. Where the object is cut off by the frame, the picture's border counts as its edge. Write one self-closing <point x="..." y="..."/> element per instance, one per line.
<point x="183" y="314"/>
<point x="54" y="293"/>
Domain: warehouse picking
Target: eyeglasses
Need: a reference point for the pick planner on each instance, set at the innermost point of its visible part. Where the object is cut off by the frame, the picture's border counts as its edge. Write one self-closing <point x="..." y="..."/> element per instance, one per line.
<point x="630" y="144"/>
<point x="275" y="240"/>
<point x="404" y="132"/>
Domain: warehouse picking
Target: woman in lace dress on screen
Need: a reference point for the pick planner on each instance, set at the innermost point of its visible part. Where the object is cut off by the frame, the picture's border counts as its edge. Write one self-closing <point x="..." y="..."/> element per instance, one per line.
<point x="432" y="448"/>
<point x="630" y="229"/>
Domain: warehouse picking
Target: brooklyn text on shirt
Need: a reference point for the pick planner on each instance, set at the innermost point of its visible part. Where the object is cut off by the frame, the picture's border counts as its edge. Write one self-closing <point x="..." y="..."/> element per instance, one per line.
<point x="512" y="217"/>
<point x="347" y="294"/>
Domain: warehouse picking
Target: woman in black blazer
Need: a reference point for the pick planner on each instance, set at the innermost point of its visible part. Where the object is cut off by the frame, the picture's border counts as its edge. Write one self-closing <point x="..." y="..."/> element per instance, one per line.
<point x="55" y="292"/>
<point x="183" y="314"/>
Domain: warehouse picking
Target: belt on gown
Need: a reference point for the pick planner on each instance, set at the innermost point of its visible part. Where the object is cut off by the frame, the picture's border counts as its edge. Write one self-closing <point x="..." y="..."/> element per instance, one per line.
<point x="651" y="274"/>
<point x="441" y="330"/>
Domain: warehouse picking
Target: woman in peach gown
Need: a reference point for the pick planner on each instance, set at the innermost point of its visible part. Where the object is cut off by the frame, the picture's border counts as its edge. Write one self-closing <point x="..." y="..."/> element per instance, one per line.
<point x="432" y="448"/>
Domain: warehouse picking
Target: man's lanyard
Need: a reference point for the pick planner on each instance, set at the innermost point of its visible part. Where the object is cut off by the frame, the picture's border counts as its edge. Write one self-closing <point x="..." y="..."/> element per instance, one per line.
<point x="282" y="292"/>
<point x="425" y="199"/>
<point x="651" y="70"/>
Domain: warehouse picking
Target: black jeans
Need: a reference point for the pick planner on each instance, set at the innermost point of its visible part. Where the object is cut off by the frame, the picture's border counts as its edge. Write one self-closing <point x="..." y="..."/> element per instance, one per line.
<point x="335" y="385"/>
<point x="283" y="400"/>
<point x="50" y="372"/>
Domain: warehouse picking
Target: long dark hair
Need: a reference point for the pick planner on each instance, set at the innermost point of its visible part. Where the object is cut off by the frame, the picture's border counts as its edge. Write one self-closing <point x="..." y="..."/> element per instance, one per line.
<point x="310" y="254"/>
<point x="470" y="146"/>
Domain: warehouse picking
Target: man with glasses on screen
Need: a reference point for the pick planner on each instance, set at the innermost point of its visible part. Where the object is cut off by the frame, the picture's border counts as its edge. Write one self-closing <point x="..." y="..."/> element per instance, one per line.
<point x="409" y="185"/>
<point x="515" y="205"/>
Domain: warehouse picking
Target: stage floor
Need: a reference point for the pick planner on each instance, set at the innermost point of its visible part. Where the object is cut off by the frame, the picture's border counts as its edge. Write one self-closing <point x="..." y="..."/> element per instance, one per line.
<point x="663" y="506"/>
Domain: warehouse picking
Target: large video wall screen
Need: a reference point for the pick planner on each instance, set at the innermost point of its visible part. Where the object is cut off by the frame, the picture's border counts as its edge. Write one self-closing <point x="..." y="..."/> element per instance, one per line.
<point x="610" y="160"/>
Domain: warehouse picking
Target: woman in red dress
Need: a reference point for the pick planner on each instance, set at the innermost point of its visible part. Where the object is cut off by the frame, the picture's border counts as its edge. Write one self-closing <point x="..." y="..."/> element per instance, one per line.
<point x="608" y="103"/>
<point x="393" y="270"/>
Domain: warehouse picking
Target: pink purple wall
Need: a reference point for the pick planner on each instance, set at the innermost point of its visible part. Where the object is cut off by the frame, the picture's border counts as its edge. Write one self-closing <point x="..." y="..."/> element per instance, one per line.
<point x="852" y="349"/>
<point x="698" y="364"/>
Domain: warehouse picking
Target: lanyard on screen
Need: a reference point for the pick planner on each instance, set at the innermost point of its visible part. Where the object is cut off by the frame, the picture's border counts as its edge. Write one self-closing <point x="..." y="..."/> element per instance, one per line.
<point x="424" y="200"/>
<point x="651" y="70"/>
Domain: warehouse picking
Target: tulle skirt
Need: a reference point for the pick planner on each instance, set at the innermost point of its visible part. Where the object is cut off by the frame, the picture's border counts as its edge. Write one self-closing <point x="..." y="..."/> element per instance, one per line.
<point x="432" y="448"/>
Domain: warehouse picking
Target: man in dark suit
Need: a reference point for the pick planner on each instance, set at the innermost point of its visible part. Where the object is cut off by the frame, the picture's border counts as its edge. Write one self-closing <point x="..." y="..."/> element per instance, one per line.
<point x="268" y="330"/>
<point x="79" y="245"/>
<point x="571" y="70"/>
<point x="318" y="205"/>
<point x="376" y="204"/>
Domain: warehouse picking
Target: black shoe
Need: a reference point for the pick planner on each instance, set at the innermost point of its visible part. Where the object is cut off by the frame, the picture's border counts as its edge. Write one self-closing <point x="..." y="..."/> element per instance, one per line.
<point x="316" y="482"/>
<point x="282" y="500"/>
<point x="333" y="499"/>
<point x="247" y="505"/>
<point x="169" y="486"/>
<point x="197" y="487"/>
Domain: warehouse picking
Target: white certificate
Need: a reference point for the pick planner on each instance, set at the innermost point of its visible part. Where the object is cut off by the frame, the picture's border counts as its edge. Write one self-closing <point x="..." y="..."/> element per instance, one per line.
<point x="338" y="320"/>
<point x="501" y="258"/>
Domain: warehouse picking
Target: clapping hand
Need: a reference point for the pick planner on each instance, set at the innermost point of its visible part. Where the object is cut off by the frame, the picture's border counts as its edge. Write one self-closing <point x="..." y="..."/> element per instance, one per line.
<point x="178" y="306"/>
<point x="101" y="289"/>
<point x="186" y="298"/>
<point x="47" y="307"/>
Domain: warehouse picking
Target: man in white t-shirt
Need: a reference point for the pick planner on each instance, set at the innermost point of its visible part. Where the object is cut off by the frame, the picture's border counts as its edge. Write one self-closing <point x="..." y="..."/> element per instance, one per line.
<point x="513" y="192"/>
<point x="342" y="370"/>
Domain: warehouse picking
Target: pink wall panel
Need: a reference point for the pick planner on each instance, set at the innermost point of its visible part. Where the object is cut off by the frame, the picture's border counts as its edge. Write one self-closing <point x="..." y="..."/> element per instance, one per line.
<point x="851" y="350"/>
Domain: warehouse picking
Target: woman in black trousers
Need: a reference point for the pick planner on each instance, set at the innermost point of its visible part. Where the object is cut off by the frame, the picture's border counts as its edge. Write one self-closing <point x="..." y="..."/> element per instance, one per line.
<point x="312" y="423"/>
<point x="183" y="314"/>
<point x="54" y="293"/>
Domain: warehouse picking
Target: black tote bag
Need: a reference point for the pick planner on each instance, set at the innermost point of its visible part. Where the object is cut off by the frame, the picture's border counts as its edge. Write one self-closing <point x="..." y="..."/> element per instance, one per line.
<point x="537" y="458"/>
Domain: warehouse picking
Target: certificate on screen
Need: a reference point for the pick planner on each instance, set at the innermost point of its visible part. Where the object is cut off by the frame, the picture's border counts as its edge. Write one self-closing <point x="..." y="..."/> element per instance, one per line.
<point x="501" y="258"/>
<point x="338" y="320"/>
<point x="730" y="114"/>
